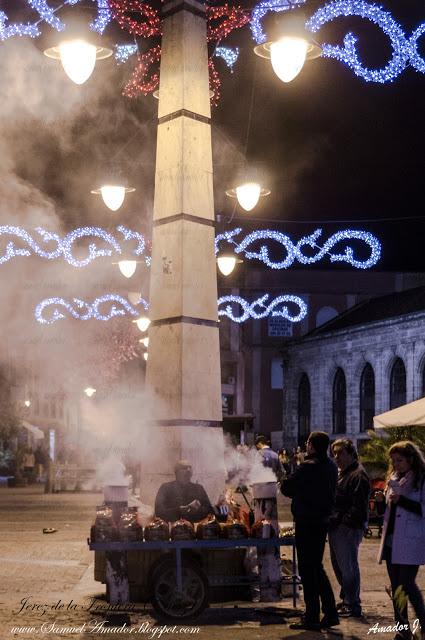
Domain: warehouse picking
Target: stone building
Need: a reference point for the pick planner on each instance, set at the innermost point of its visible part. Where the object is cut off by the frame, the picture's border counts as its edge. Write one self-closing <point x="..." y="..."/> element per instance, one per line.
<point x="365" y="361"/>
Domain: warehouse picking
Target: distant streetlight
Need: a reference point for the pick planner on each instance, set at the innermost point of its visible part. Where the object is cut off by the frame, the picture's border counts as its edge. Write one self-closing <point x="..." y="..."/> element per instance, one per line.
<point x="27" y="403"/>
<point x="89" y="392"/>
<point x="127" y="267"/>
<point x="113" y="195"/>
<point x="290" y="47"/>
<point x="226" y="263"/>
<point x="142" y="323"/>
<point x="144" y="342"/>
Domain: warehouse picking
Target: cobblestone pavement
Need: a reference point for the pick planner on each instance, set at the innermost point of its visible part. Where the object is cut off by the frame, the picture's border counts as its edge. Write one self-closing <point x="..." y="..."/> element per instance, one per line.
<point x="56" y="570"/>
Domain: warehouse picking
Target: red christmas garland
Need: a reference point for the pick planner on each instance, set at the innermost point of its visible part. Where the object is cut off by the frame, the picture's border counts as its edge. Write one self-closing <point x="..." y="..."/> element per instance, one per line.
<point x="151" y="26"/>
<point x="215" y="83"/>
<point x="139" y="82"/>
<point x="235" y="18"/>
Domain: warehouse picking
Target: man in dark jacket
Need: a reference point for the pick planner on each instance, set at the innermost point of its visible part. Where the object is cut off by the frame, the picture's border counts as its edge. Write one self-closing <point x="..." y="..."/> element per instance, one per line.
<point x="182" y="498"/>
<point x="312" y="488"/>
<point x="348" y="524"/>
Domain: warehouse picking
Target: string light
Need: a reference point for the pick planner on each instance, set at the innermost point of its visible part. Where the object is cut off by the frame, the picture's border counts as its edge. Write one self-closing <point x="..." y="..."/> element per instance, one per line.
<point x="295" y="251"/>
<point x="415" y="59"/>
<point x="276" y="307"/>
<point x="81" y="310"/>
<point x="234" y="18"/>
<point x="47" y="14"/>
<point x="214" y="83"/>
<point x="65" y="245"/>
<point x="140" y="83"/>
<point x="261" y="9"/>
<point x="124" y="51"/>
<point x="229" y="55"/>
<point x="150" y="26"/>
<point x="348" y="54"/>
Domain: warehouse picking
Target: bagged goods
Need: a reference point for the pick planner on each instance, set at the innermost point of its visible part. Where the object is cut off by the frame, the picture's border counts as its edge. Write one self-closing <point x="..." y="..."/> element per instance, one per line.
<point x="208" y="529"/>
<point x="263" y="529"/>
<point x="157" y="529"/>
<point x="235" y="530"/>
<point x="104" y="530"/>
<point x="129" y="527"/>
<point x="182" y="530"/>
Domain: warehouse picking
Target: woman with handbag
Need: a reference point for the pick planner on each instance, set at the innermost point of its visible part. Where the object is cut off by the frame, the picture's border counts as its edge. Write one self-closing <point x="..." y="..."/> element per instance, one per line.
<point x="403" y="537"/>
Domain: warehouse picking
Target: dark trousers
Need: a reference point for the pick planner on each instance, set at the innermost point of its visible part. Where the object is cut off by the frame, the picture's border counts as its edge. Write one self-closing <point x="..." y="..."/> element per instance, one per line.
<point x="404" y="576"/>
<point x="310" y="542"/>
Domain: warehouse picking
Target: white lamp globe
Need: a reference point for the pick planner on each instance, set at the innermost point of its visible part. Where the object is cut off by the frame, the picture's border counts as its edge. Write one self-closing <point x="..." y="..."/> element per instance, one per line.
<point x="113" y="196"/>
<point x="288" y="56"/>
<point x="145" y="355"/>
<point x="78" y="59"/>
<point x="142" y="323"/>
<point x="89" y="392"/>
<point x="144" y="342"/>
<point x="226" y="264"/>
<point x="248" y="195"/>
<point x="127" y="267"/>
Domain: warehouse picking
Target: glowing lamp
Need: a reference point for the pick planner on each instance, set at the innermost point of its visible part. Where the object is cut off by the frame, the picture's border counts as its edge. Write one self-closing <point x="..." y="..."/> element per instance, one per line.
<point x="248" y="194"/>
<point x="127" y="267"/>
<point x="113" y="195"/>
<point x="226" y="262"/>
<point x="144" y="342"/>
<point x="78" y="58"/>
<point x="142" y="323"/>
<point x="146" y="356"/>
<point x="27" y="403"/>
<point x="291" y="47"/>
<point x="89" y="392"/>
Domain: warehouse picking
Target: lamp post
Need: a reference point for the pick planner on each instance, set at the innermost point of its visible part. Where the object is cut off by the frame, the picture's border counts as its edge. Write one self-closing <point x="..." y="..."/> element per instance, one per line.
<point x="183" y="369"/>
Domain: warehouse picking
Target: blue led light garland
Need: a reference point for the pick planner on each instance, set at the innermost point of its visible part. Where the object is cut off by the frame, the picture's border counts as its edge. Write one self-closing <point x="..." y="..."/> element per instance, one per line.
<point x="81" y="310"/>
<point x="295" y="251"/>
<point x="261" y="9"/>
<point x="65" y="245"/>
<point x="124" y="51"/>
<point x="276" y="307"/>
<point x="229" y="55"/>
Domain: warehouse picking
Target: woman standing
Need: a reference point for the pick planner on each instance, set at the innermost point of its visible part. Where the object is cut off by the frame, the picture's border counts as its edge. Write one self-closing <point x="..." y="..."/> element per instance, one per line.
<point x="403" y="537"/>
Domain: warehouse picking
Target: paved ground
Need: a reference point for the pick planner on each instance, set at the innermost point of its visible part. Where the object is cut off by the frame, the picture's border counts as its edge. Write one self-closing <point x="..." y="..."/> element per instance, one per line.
<point x="55" y="574"/>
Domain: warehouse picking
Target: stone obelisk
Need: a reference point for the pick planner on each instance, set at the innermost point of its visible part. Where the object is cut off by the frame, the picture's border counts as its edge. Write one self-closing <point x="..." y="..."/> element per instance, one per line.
<point x="183" y="368"/>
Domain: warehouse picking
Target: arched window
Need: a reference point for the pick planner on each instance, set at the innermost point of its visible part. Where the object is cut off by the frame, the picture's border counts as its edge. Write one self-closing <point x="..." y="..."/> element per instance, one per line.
<point x="325" y="314"/>
<point x="398" y="384"/>
<point x="304" y="409"/>
<point x="339" y="408"/>
<point x="367" y="398"/>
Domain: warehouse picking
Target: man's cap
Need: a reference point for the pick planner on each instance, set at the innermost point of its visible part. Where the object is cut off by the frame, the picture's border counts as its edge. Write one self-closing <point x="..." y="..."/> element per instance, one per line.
<point x="182" y="464"/>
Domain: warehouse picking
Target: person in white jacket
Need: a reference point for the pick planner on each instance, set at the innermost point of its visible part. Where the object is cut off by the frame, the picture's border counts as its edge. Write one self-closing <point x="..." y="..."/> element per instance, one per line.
<point x="403" y="536"/>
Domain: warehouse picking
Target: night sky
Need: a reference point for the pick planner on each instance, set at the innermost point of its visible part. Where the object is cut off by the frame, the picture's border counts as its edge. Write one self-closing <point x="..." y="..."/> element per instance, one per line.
<point x="330" y="146"/>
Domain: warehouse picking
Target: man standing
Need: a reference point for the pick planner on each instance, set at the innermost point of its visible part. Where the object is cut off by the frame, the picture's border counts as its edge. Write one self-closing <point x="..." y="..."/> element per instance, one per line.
<point x="182" y="498"/>
<point x="347" y="525"/>
<point x="270" y="457"/>
<point x="312" y="488"/>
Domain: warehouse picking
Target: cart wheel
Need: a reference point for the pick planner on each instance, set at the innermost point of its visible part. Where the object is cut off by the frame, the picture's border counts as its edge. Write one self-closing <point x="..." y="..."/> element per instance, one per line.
<point x="192" y="599"/>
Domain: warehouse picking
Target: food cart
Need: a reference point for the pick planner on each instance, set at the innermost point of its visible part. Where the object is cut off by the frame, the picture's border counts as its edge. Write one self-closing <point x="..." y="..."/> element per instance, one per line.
<point x="176" y="576"/>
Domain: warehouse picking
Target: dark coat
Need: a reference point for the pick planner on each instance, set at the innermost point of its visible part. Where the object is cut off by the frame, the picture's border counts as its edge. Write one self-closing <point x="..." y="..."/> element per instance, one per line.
<point x="172" y="495"/>
<point x="312" y="488"/>
<point x="352" y="497"/>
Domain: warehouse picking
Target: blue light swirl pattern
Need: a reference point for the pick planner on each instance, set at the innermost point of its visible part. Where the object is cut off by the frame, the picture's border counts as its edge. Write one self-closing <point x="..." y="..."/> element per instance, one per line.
<point x="81" y="310"/>
<point x="65" y="245"/>
<point x="261" y="308"/>
<point x="404" y="49"/>
<point x="294" y="252"/>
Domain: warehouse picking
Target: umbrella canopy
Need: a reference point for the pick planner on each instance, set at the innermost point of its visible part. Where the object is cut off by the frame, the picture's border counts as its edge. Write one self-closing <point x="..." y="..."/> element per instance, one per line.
<point x="408" y="415"/>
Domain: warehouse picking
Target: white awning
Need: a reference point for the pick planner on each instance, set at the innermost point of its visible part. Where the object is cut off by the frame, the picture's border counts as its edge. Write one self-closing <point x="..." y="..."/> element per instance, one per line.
<point x="35" y="431"/>
<point x="408" y="415"/>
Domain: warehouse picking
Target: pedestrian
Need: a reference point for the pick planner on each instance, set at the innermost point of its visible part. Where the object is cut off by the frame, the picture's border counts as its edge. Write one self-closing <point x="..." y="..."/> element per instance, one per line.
<point x="348" y="524"/>
<point x="284" y="460"/>
<point x="312" y="488"/>
<point x="270" y="457"/>
<point x="403" y="538"/>
<point x="299" y="456"/>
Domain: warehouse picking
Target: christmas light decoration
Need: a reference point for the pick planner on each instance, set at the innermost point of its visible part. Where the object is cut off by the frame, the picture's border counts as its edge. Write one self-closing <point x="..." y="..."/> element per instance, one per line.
<point x="9" y="31"/>
<point x="81" y="310"/>
<point x="261" y="308"/>
<point x="348" y="54"/>
<point x="65" y="245"/>
<point x="214" y="83"/>
<point x="234" y="18"/>
<point x="261" y="9"/>
<point x="295" y="252"/>
<point x="123" y="11"/>
<point x="47" y="14"/>
<point x="140" y="83"/>
<point x="415" y="59"/>
<point x="124" y="51"/>
<point x="229" y="55"/>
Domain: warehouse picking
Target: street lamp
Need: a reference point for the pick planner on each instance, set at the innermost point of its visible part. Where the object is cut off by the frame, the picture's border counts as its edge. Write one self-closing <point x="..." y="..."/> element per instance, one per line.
<point x="113" y="195"/>
<point x="142" y="323"/>
<point x="127" y="267"/>
<point x="144" y="342"/>
<point x="290" y="47"/>
<point x="248" y="194"/>
<point x="89" y="391"/>
<point x="78" y="49"/>
<point x="226" y="263"/>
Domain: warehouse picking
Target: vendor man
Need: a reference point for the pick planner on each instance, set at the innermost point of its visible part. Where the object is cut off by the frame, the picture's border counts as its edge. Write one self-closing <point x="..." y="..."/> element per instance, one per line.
<point x="182" y="498"/>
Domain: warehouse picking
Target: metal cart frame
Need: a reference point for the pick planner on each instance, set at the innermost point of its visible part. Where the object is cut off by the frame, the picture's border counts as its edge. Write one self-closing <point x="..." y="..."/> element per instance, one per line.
<point x="177" y="546"/>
